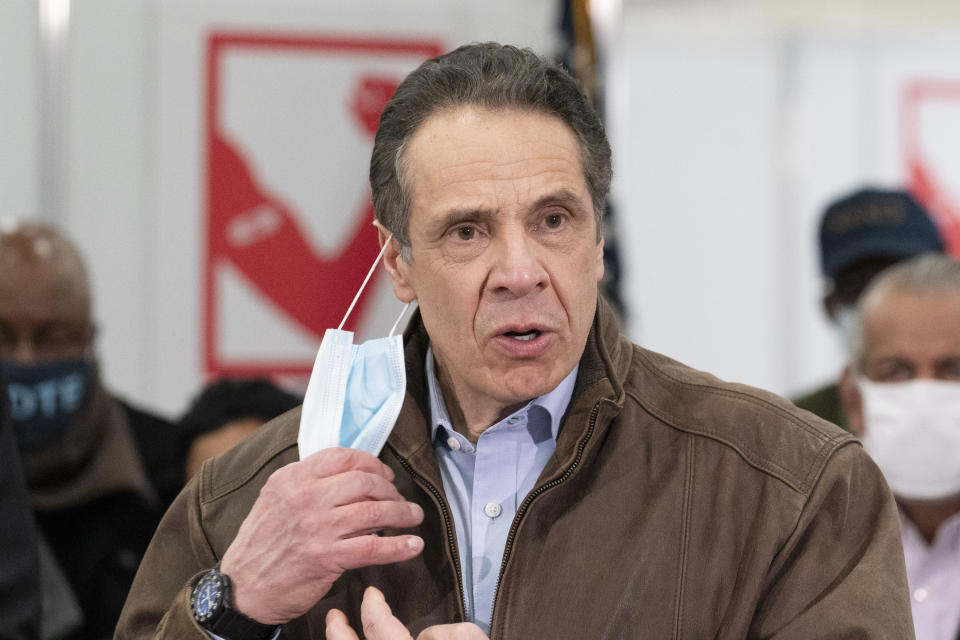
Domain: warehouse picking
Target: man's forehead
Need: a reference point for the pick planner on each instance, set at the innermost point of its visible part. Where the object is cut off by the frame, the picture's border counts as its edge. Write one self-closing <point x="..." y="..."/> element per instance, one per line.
<point x="923" y="324"/>
<point x="471" y="153"/>
<point x="480" y="127"/>
<point x="885" y="303"/>
<point x="43" y="289"/>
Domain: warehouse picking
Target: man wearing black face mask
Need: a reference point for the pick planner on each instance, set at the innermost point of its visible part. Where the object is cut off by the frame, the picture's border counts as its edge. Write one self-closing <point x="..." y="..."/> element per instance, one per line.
<point x="99" y="472"/>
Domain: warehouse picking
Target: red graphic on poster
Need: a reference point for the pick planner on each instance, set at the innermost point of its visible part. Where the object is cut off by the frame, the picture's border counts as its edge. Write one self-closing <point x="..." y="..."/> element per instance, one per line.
<point x="924" y="180"/>
<point x="258" y="233"/>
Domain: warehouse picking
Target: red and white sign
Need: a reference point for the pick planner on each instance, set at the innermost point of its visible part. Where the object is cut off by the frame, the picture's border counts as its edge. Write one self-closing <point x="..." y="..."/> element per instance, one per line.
<point x="930" y="128"/>
<point x="290" y="121"/>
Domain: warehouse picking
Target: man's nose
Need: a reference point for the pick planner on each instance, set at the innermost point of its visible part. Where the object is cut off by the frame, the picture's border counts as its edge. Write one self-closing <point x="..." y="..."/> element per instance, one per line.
<point x="22" y="350"/>
<point x="517" y="269"/>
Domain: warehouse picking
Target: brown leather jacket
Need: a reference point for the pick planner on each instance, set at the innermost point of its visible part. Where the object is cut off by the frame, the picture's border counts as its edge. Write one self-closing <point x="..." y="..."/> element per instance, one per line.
<point x="676" y="506"/>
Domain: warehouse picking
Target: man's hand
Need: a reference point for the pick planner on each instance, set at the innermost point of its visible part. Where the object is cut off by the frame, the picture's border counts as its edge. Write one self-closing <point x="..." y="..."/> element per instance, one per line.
<point x="380" y="624"/>
<point x="309" y="524"/>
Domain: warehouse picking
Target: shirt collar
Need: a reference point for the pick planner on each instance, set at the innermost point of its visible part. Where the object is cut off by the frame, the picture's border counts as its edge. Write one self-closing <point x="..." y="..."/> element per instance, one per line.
<point x="555" y="402"/>
<point x="948" y="533"/>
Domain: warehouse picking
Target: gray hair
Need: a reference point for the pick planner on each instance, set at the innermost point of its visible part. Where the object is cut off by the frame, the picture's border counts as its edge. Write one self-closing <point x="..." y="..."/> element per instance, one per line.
<point x="491" y="76"/>
<point x="931" y="273"/>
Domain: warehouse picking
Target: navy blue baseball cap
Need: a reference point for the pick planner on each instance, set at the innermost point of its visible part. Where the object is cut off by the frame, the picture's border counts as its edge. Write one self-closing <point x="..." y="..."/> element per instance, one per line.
<point x="874" y="223"/>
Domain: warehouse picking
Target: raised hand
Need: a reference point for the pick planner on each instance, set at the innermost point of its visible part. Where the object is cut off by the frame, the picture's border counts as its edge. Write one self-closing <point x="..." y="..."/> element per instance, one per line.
<point x="311" y="522"/>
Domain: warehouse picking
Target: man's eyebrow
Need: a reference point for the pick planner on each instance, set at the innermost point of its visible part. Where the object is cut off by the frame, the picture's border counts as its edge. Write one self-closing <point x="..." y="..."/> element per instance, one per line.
<point x="889" y="360"/>
<point x="563" y="197"/>
<point x="456" y="216"/>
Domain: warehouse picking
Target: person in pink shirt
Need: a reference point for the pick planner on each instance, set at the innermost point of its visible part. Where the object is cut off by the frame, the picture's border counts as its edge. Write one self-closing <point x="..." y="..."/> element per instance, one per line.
<point x="901" y="393"/>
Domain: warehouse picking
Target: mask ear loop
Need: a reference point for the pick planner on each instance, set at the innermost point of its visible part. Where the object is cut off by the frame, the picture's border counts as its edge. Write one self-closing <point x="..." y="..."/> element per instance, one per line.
<point x="364" y="285"/>
<point x="399" y="318"/>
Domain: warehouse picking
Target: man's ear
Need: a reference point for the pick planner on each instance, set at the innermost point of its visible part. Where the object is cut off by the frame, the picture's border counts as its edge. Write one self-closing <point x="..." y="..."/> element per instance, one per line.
<point x="830" y="303"/>
<point x="92" y="331"/>
<point x="599" y="260"/>
<point x="851" y="400"/>
<point x="397" y="267"/>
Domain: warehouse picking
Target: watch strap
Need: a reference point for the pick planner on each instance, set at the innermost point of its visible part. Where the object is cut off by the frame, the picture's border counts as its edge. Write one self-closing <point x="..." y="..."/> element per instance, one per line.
<point x="233" y="625"/>
<point x="230" y="624"/>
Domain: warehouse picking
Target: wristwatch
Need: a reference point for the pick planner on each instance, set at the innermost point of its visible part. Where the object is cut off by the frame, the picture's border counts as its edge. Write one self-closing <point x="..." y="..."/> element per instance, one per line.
<point x="212" y="605"/>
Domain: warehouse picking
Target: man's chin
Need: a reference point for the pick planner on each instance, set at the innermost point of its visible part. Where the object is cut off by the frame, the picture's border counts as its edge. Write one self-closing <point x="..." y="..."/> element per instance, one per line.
<point x="524" y="384"/>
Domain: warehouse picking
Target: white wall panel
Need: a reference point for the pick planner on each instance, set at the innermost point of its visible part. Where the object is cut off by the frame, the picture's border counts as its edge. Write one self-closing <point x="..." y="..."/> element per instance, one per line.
<point x="19" y="102"/>
<point x="696" y="137"/>
<point x="107" y="157"/>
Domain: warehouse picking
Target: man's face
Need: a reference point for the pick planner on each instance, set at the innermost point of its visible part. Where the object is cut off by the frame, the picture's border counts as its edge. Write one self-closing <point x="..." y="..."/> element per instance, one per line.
<point x="44" y="312"/>
<point x="504" y="255"/>
<point x="906" y="337"/>
<point x="909" y="336"/>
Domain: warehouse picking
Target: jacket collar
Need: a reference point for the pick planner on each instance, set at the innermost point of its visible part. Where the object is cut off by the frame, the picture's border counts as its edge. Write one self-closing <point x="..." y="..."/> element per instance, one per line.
<point x="603" y="367"/>
<point x="555" y="401"/>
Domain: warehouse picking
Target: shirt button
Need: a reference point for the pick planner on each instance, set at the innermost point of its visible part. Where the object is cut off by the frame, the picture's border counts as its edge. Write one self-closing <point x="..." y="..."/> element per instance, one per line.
<point x="492" y="509"/>
<point x="453" y="443"/>
<point x="920" y="594"/>
<point x="513" y="420"/>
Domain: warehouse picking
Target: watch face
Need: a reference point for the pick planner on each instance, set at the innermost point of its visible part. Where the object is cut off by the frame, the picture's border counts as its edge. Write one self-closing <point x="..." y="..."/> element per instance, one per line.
<point x="207" y="597"/>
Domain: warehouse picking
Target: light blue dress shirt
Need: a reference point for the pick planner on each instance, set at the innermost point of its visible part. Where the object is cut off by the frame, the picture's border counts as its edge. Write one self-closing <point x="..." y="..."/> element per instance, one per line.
<point x="485" y="484"/>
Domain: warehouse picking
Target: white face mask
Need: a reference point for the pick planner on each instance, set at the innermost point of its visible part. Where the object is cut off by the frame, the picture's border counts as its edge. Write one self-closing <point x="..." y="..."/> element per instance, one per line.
<point x="355" y="391"/>
<point x="912" y="431"/>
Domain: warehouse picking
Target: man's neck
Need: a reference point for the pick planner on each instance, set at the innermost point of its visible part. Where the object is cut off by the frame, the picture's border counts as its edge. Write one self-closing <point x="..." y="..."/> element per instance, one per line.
<point x="471" y="419"/>
<point x="928" y="516"/>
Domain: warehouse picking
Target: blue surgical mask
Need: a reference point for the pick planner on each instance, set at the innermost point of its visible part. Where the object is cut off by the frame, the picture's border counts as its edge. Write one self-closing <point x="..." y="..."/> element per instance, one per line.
<point x="46" y="399"/>
<point x="355" y="391"/>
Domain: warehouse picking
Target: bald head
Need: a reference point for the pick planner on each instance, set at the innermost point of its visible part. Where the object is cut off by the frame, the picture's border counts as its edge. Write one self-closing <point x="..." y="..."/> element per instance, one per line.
<point x="45" y="309"/>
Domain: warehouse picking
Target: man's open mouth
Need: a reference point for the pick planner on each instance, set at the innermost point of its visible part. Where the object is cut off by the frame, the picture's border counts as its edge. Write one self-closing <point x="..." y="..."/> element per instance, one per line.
<point x="526" y="335"/>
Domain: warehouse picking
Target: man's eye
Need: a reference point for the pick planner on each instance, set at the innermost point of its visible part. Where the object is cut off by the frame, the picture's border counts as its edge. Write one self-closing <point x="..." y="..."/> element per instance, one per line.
<point x="890" y="371"/>
<point x="553" y="220"/>
<point x="948" y="370"/>
<point x="56" y="337"/>
<point x="465" y="233"/>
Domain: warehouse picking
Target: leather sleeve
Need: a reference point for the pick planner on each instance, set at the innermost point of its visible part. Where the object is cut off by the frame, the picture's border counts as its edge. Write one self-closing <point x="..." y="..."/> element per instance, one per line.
<point x="158" y="605"/>
<point x="841" y="573"/>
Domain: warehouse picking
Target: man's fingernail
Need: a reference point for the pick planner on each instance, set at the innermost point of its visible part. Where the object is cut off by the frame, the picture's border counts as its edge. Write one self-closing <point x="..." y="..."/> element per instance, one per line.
<point x="414" y="543"/>
<point x="415" y="510"/>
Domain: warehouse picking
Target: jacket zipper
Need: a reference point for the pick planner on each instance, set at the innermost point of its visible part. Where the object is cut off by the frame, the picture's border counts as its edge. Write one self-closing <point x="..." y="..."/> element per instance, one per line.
<point x="451" y="535"/>
<point x="522" y="510"/>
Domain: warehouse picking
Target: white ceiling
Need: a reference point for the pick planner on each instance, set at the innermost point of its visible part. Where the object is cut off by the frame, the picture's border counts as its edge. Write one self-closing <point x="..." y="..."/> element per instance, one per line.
<point x="845" y="14"/>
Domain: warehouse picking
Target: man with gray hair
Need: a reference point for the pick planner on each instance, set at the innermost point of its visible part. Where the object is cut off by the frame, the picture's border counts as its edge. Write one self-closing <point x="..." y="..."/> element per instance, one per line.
<point x="901" y="393"/>
<point x="545" y="478"/>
